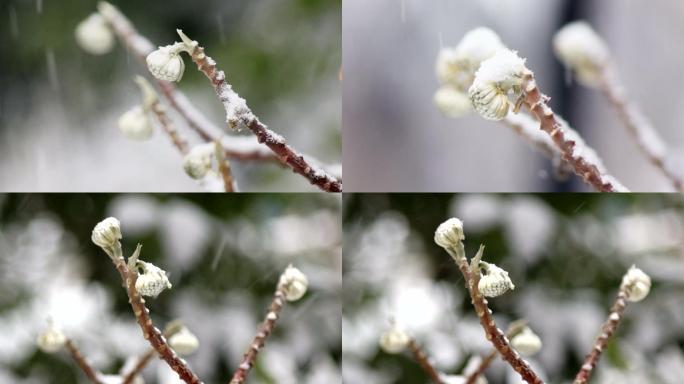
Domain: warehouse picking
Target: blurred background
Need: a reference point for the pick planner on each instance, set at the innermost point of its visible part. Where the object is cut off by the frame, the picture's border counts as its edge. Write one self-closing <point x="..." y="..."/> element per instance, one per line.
<point x="59" y="105"/>
<point x="566" y="255"/>
<point x="395" y="139"/>
<point x="224" y="256"/>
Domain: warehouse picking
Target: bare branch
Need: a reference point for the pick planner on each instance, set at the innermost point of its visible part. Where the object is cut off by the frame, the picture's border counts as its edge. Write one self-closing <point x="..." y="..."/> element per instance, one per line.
<point x="139" y="366"/>
<point x="484" y="364"/>
<point x="224" y="169"/>
<point x="424" y="361"/>
<point x="82" y="363"/>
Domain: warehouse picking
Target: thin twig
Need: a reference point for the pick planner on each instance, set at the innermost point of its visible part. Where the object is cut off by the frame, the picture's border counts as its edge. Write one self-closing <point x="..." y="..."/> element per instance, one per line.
<point x="176" y="138"/>
<point x="139" y="366"/>
<point x="639" y="127"/>
<point x="484" y="364"/>
<point x="224" y="169"/>
<point x="421" y="357"/>
<point x="82" y="363"/>
<point x="584" y="161"/>
<point x="262" y="334"/>
<point x="607" y="331"/>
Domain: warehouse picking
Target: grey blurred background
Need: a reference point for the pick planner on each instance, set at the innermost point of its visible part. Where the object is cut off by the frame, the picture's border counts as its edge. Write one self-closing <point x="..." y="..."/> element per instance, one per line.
<point x="59" y="106"/>
<point x="566" y="255"/>
<point x="224" y="255"/>
<point x="396" y="140"/>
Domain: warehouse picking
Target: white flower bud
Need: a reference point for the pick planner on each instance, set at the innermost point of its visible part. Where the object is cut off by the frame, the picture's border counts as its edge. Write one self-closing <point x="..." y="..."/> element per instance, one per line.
<point x="106" y="233"/>
<point x="457" y="66"/>
<point x="294" y="283"/>
<point x="452" y="102"/>
<point x="636" y="284"/>
<point x="94" y="36"/>
<point x="184" y="342"/>
<point x="197" y="162"/>
<point x="495" y="281"/>
<point x="582" y="50"/>
<point x="166" y="63"/>
<point x="51" y="340"/>
<point x="135" y="124"/>
<point x="449" y="233"/>
<point x="527" y="343"/>
<point x="152" y="281"/>
<point x="394" y="340"/>
<point x="497" y="76"/>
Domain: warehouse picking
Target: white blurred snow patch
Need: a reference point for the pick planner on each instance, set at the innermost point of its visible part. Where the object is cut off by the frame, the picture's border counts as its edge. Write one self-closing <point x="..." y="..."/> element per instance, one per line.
<point x="138" y="214"/>
<point x="442" y="349"/>
<point x="611" y="375"/>
<point x="529" y="224"/>
<point x="277" y="361"/>
<point x="185" y="233"/>
<point x="356" y="371"/>
<point x="670" y="365"/>
<point x="418" y="305"/>
<point x="639" y="233"/>
<point x="591" y="234"/>
<point x="295" y="234"/>
<point x="361" y="332"/>
<point x="323" y="370"/>
<point x="479" y="212"/>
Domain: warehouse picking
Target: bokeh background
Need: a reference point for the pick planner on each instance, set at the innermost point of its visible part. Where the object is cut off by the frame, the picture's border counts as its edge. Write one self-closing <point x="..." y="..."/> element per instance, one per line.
<point x="59" y="105"/>
<point x="566" y="255"/>
<point x="224" y="256"/>
<point x="395" y="139"/>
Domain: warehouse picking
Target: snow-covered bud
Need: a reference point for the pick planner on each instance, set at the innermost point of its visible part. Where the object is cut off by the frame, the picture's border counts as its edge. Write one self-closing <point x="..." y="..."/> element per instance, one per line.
<point x="457" y="66"/>
<point x="152" y="281"/>
<point x="497" y="76"/>
<point x="197" y="162"/>
<point x="636" y="284"/>
<point x="106" y="233"/>
<point x="452" y="102"/>
<point x="135" y="124"/>
<point x="581" y="49"/>
<point x="94" y="36"/>
<point x="166" y="63"/>
<point x="184" y="342"/>
<point x="527" y="343"/>
<point x="394" y="340"/>
<point x="449" y="233"/>
<point x="51" y="340"/>
<point x="495" y="281"/>
<point x="294" y="283"/>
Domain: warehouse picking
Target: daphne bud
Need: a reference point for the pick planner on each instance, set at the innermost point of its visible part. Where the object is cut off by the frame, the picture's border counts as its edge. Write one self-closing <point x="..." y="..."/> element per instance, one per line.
<point x="495" y="281"/>
<point x="294" y="283"/>
<point x="581" y="49"/>
<point x="51" y="340"/>
<point x="636" y="284"/>
<point x="197" y="162"/>
<point x="394" y="340"/>
<point x="449" y="233"/>
<point x="184" y="342"/>
<point x="497" y="76"/>
<point x="106" y="233"/>
<point x="94" y="36"/>
<point x="527" y="343"/>
<point x="452" y="102"/>
<point x="166" y="64"/>
<point x="152" y="281"/>
<point x="135" y="124"/>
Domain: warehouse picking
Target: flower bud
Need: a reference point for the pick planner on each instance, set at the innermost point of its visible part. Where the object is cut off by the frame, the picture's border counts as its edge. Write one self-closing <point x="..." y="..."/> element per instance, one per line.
<point x="449" y="233"/>
<point x="197" y="162"/>
<point x="452" y="102"/>
<point x="294" y="283"/>
<point x="51" y="340"/>
<point x="106" y="233"/>
<point x="581" y="49"/>
<point x="394" y="340"/>
<point x="527" y="343"/>
<point x="94" y="36"/>
<point x="184" y="342"/>
<point x="496" y="77"/>
<point x="166" y="64"/>
<point x="152" y="281"/>
<point x="636" y="284"/>
<point x="135" y="124"/>
<point x="495" y="281"/>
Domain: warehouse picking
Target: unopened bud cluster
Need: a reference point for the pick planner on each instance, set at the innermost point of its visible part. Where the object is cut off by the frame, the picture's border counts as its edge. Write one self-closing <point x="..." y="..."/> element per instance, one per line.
<point x="294" y="283"/>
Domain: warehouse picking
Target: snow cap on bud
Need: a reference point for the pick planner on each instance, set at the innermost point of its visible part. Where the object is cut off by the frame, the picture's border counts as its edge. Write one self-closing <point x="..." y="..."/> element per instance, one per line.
<point x="135" y="124"/>
<point x="166" y="63"/>
<point x="184" y="342"/>
<point x="106" y="233"/>
<point x="527" y="343"/>
<point x="452" y="102"/>
<point x="449" y="233"/>
<point x="581" y="49"/>
<point x="94" y="36"/>
<point x="152" y="281"/>
<point x="636" y="284"/>
<point x="294" y="283"/>
<point x="51" y="340"/>
<point x="497" y="76"/>
<point x="394" y="340"/>
<point x="197" y="162"/>
<point x="495" y="281"/>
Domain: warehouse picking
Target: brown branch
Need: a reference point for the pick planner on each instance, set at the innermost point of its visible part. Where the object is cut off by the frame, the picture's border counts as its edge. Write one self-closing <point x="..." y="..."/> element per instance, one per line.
<point x="82" y="363"/>
<point x="639" y="127"/>
<point x="229" y="184"/>
<point x="607" y="331"/>
<point x="484" y="364"/>
<point x="424" y="362"/>
<point x="139" y="366"/>
<point x="262" y="334"/>
<point x="176" y="138"/>
<point x="585" y="166"/>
